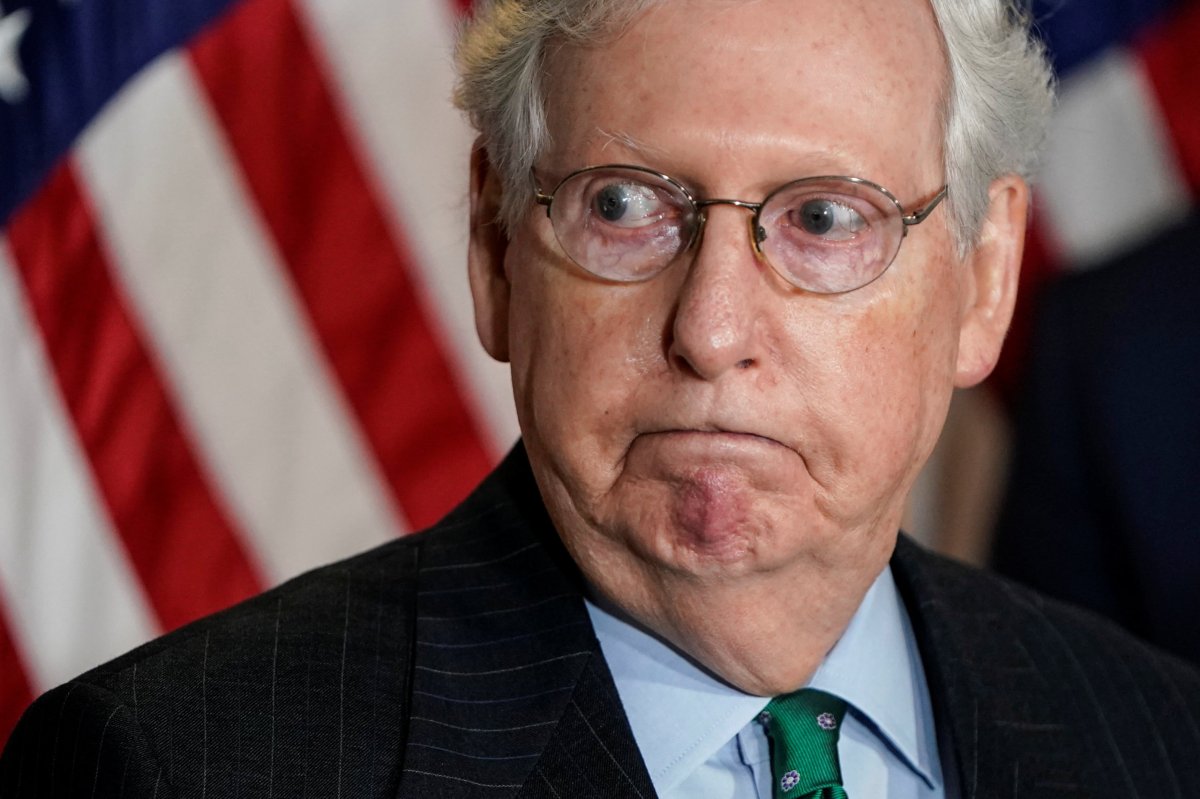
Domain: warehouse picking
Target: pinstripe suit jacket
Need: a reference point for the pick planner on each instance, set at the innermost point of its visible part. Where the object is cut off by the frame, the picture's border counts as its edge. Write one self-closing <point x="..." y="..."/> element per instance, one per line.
<point x="461" y="663"/>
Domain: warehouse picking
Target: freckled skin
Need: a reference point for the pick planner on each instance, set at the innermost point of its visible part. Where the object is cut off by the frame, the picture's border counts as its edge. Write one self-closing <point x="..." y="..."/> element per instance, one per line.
<point x="725" y="457"/>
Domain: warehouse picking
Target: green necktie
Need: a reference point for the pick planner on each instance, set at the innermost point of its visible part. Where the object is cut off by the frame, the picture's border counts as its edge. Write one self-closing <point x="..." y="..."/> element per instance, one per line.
<point x="804" y="729"/>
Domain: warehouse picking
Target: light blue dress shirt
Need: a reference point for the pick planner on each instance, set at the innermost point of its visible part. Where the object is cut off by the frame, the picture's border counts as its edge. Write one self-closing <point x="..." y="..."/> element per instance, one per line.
<point x="701" y="739"/>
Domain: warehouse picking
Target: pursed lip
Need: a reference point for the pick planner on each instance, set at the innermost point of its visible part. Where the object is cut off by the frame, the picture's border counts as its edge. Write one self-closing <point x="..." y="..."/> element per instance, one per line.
<point x="717" y="435"/>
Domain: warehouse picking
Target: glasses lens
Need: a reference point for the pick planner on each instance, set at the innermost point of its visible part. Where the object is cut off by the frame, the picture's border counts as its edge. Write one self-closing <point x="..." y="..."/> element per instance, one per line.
<point x="830" y="235"/>
<point x="621" y="224"/>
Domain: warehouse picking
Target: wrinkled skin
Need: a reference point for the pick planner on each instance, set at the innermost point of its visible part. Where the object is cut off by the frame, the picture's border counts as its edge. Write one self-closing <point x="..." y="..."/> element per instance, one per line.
<point x="726" y="457"/>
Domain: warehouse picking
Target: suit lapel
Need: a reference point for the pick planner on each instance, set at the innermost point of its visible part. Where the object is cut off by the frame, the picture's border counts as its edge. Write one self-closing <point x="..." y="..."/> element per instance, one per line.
<point x="509" y="688"/>
<point x="592" y="752"/>
<point x="1002" y="729"/>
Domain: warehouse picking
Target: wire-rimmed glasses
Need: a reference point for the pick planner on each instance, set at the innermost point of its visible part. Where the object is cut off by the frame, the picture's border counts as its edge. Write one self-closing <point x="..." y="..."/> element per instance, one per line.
<point x="828" y="234"/>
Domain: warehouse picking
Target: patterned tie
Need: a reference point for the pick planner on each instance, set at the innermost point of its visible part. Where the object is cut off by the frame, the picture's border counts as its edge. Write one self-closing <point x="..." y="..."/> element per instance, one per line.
<point x="804" y="729"/>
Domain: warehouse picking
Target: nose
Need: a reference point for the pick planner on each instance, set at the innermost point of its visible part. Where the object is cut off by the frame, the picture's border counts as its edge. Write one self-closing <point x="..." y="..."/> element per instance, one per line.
<point x="719" y="315"/>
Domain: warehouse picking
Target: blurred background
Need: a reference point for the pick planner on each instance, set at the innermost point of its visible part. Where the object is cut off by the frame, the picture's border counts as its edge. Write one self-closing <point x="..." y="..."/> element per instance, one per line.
<point x="236" y="340"/>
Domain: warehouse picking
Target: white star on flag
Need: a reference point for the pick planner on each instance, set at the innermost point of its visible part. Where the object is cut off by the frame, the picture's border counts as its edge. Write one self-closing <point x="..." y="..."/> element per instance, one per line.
<point x="13" y="85"/>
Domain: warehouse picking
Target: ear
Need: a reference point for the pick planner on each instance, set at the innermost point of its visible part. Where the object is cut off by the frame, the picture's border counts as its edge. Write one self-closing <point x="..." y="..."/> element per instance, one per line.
<point x="993" y="268"/>
<point x="486" y="250"/>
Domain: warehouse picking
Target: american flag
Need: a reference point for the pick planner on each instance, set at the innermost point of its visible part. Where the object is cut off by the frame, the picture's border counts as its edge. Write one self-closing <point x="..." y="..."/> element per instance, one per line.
<point x="235" y="339"/>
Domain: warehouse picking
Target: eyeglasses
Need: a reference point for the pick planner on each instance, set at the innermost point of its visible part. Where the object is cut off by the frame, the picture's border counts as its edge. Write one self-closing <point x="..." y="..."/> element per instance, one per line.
<point x="826" y="235"/>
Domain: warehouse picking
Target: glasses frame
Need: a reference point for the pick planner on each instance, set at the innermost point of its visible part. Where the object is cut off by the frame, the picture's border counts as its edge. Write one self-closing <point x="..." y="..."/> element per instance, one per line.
<point x="758" y="234"/>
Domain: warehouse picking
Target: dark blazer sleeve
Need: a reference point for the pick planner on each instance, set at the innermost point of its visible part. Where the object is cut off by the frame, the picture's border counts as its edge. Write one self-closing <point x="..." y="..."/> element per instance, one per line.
<point x="301" y="691"/>
<point x="80" y="740"/>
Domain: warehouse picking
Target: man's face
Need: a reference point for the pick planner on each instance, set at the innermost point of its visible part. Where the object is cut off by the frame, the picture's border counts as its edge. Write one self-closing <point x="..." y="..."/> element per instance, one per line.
<point x="701" y="435"/>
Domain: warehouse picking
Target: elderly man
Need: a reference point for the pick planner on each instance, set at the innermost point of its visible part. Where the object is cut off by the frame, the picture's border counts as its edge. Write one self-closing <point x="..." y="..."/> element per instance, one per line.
<point x="732" y="349"/>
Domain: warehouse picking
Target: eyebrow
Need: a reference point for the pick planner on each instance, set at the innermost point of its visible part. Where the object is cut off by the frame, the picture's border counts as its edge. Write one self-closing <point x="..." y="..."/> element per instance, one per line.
<point x="628" y="141"/>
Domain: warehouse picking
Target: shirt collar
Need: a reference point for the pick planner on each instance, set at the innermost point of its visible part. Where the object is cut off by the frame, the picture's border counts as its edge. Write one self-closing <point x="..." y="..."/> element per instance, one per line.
<point x="681" y="715"/>
<point x="876" y="667"/>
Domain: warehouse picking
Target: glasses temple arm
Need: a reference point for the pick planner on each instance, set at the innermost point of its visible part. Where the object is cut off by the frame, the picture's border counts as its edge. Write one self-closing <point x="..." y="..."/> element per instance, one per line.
<point x="918" y="216"/>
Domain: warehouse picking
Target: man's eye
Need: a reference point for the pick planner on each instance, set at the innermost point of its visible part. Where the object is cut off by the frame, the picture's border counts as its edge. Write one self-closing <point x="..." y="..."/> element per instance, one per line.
<point x="828" y="219"/>
<point x="628" y="205"/>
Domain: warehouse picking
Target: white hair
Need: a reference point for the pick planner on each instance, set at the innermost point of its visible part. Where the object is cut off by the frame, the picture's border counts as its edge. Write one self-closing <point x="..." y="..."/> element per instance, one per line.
<point x="998" y="100"/>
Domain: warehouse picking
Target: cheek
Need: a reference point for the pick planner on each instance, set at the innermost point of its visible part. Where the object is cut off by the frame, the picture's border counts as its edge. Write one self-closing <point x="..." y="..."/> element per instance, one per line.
<point x="580" y="350"/>
<point x="904" y="373"/>
<point x="892" y="369"/>
<point x="545" y="342"/>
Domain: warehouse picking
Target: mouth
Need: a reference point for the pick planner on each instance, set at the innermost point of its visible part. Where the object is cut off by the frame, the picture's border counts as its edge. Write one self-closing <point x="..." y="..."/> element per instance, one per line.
<point x="716" y="437"/>
<point x="712" y="483"/>
<point x="708" y="446"/>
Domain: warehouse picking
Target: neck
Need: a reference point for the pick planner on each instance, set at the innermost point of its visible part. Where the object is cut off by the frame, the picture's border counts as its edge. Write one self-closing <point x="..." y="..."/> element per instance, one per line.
<point x="763" y="634"/>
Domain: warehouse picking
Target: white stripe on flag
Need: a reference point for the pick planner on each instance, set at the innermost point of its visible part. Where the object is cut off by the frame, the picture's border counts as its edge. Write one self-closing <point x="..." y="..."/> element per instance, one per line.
<point x="71" y="595"/>
<point x="223" y="319"/>
<point x="1110" y="180"/>
<point x="391" y="63"/>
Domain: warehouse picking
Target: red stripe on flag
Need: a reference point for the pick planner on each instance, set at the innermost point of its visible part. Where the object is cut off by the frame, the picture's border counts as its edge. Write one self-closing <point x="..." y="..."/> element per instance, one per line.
<point x="1169" y="54"/>
<point x="267" y="87"/>
<point x="178" y="539"/>
<point x="15" y="691"/>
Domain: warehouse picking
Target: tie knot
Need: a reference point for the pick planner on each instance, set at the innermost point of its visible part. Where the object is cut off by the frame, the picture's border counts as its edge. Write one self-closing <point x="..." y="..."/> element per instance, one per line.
<point x="804" y="727"/>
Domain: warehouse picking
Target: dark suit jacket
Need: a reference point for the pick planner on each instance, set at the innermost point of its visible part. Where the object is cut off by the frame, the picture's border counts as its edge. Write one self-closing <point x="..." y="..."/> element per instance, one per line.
<point x="461" y="663"/>
<point x="1103" y="508"/>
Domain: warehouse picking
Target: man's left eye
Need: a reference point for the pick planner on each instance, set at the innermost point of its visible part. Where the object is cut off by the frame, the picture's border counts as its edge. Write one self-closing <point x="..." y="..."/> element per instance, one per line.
<point x="828" y="219"/>
<point x="627" y="205"/>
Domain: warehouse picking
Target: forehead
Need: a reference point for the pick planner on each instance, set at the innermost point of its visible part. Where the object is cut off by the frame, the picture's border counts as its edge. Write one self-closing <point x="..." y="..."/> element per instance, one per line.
<point x="855" y="85"/>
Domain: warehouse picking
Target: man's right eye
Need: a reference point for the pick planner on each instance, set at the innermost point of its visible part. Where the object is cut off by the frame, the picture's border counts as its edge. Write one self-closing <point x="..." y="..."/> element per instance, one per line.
<point x="628" y="205"/>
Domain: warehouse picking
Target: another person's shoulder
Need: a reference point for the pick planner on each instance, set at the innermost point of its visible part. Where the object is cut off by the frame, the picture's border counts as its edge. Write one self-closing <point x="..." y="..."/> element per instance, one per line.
<point x="1151" y="290"/>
